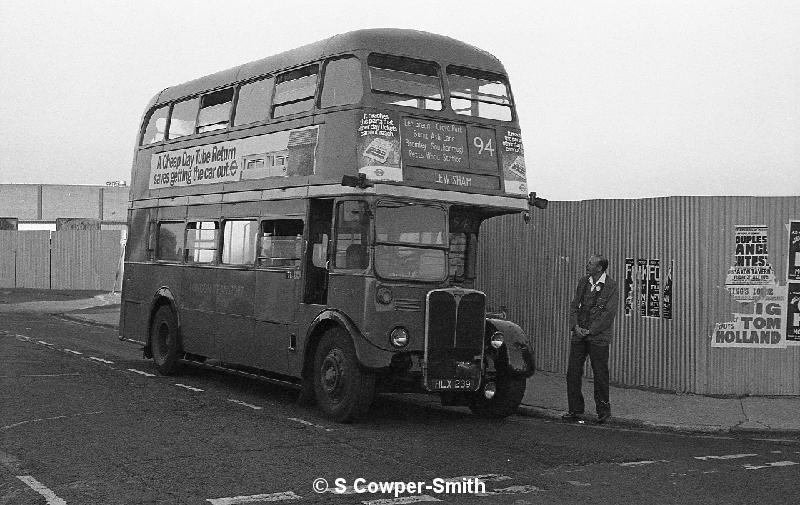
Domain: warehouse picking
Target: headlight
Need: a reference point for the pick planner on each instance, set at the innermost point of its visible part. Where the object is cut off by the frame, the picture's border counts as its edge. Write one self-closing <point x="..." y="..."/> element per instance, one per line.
<point x="497" y="339"/>
<point x="399" y="337"/>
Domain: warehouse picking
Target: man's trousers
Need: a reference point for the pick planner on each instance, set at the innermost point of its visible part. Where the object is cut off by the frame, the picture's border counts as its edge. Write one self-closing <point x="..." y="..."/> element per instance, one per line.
<point x="598" y="354"/>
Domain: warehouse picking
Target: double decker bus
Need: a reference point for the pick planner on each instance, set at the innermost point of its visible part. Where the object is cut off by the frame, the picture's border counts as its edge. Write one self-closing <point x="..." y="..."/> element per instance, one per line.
<point x="314" y="216"/>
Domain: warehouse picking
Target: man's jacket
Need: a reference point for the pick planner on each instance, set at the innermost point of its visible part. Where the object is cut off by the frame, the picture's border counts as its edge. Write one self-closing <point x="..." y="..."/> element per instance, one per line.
<point x="594" y="310"/>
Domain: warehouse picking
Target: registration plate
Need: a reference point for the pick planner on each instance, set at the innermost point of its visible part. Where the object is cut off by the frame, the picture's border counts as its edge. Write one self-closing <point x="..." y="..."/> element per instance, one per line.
<point x="452" y="384"/>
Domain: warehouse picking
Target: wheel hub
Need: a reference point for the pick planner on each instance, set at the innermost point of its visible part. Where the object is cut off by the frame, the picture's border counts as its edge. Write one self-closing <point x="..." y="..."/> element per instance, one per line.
<point x="333" y="373"/>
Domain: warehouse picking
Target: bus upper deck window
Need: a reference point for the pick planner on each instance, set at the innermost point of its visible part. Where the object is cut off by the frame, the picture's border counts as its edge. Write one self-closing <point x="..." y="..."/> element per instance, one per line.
<point x="479" y="94"/>
<point x="295" y="91"/>
<point x="342" y="84"/>
<point x="156" y="126"/>
<point x="406" y="82"/>
<point x="215" y="111"/>
<point x="184" y="116"/>
<point x="253" y="103"/>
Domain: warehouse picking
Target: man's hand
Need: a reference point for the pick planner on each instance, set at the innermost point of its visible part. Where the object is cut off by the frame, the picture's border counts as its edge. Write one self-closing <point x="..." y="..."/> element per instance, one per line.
<point x="581" y="331"/>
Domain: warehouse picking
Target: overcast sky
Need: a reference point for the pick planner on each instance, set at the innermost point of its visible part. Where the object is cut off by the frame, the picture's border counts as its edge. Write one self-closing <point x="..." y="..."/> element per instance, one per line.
<point x="617" y="99"/>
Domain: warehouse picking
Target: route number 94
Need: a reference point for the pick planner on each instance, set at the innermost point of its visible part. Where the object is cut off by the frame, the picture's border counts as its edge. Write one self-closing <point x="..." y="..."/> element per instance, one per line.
<point x="483" y="146"/>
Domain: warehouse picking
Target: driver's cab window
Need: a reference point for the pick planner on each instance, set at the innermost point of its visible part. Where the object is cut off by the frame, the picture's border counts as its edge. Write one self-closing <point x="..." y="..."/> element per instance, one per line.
<point x="352" y="235"/>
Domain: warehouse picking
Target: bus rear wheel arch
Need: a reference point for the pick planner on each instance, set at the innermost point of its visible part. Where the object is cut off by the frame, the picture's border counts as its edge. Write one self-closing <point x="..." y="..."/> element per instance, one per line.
<point x="165" y="345"/>
<point x="342" y="389"/>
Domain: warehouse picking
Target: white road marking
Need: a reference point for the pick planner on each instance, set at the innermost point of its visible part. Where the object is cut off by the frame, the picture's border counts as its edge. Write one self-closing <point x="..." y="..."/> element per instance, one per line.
<point x="727" y="456"/>
<point x="43" y="490"/>
<point x="642" y="463"/>
<point x="23" y="338"/>
<point x="190" y="388"/>
<point x="488" y="477"/>
<point x="770" y="465"/>
<point x="256" y="498"/>
<point x="403" y="499"/>
<point x="239" y="402"/>
<point x="101" y="360"/>
<point x="528" y="488"/>
<point x="780" y="440"/>
<point x="347" y="490"/>
<point x="43" y="342"/>
<point x="46" y="419"/>
<point x="141" y="372"/>
<point x="308" y="423"/>
<point x="73" y="352"/>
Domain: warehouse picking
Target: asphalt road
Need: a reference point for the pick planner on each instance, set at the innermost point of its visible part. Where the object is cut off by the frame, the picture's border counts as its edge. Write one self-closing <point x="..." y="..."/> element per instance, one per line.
<point x="85" y="420"/>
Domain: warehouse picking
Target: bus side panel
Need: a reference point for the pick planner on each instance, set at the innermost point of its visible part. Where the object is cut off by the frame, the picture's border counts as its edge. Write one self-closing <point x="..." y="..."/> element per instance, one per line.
<point x="269" y="348"/>
<point x="346" y="293"/>
<point x="277" y="295"/>
<point x="233" y="325"/>
<point x="134" y="317"/>
<point x="136" y="298"/>
<point x="197" y="310"/>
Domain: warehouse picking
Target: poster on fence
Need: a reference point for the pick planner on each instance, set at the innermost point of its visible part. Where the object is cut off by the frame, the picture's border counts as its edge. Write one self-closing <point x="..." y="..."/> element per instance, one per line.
<point x="793" y="313"/>
<point x="763" y="327"/>
<point x="751" y="273"/>
<point x="629" y="268"/>
<point x="653" y="288"/>
<point x="641" y="275"/>
<point x="666" y="299"/>
<point x="768" y="315"/>
<point x="793" y="253"/>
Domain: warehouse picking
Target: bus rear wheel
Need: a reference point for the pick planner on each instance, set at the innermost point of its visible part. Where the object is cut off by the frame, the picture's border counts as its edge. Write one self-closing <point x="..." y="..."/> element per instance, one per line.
<point x="164" y="340"/>
<point x="343" y="390"/>
<point x="509" y="391"/>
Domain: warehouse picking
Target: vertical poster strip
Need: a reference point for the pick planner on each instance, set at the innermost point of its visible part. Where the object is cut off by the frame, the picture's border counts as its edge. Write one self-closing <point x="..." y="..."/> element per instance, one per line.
<point x="793" y="254"/>
<point x="641" y="274"/>
<point x="793" y="312"/>
<point x="653" y="288"/>
<point x="629" y="286"/>
<point x="666" y="301"/>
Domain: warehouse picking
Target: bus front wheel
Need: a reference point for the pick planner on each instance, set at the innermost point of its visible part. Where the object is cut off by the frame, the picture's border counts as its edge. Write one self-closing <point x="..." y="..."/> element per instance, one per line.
<point x="164" y="341"/>
<point x="342" y="389"/>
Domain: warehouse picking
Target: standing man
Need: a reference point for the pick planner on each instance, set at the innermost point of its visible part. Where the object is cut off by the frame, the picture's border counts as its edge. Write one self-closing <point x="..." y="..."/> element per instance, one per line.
<point x="591" y="316"/>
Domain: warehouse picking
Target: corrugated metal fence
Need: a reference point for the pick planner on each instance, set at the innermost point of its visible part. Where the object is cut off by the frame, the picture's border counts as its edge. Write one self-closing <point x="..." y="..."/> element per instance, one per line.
<point x="532" y="270"/>
<point x="69" y="259"/>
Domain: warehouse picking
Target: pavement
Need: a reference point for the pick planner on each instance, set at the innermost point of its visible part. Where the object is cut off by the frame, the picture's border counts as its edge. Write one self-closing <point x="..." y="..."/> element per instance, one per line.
<point x="545" y="395"/>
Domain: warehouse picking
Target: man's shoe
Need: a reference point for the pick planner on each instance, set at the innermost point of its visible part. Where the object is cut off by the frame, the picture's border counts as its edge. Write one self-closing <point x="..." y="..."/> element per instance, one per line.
<point x="602" y="418"/>
<point x="571" y="416"/>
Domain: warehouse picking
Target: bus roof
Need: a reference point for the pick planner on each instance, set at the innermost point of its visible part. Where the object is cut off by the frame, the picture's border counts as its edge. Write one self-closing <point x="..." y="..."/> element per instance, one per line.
<point x="400" y="42"/>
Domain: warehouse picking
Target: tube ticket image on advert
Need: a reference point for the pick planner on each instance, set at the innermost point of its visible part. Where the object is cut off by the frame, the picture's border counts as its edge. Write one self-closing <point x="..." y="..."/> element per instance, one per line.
<point x="378" y="150"/>
<point x="518" y="167"/>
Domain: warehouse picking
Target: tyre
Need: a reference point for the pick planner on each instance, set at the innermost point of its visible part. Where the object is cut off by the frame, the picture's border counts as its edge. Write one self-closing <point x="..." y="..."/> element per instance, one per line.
<point x="507" y="397"/>
<point x="343" y="391"/>
<point x="165" y="341"/>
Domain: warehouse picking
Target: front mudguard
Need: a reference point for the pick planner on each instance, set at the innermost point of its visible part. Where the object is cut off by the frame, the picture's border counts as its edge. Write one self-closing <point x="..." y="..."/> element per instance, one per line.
<point x="515" y="356"/>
